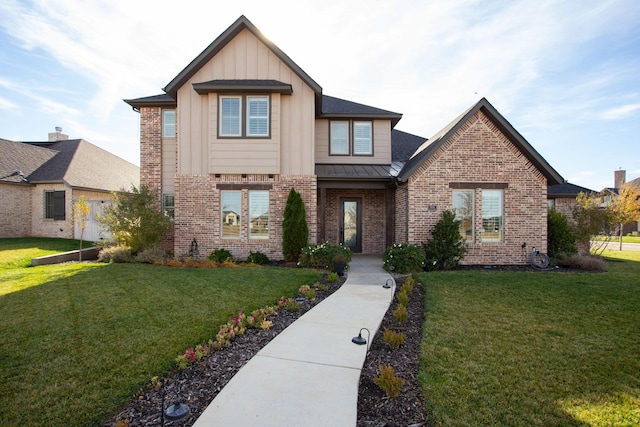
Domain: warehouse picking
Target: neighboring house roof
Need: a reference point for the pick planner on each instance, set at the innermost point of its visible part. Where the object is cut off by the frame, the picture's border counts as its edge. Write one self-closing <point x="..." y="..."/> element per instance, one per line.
<point x="430" y="147"/>
<point x="635" y="182"/>
<point x="80" y="164"/>
<point x="566" y="189"/>
<point x="404" y="144"/>
<point x="341" y="109"/>
<point x="239" y="25"/>
<point x="19" y="160"/>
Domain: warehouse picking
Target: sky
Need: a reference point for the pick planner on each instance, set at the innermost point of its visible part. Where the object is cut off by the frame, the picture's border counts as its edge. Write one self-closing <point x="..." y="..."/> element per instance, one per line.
<point x="565" y="74"/>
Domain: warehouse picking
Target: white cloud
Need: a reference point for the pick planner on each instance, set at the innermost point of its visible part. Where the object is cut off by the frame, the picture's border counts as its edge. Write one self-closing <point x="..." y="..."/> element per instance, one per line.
<point x="621" y="112"/>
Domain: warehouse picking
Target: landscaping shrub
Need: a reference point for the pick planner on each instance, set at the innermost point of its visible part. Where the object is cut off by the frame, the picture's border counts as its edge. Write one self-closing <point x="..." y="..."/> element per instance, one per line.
<point x="561" y="241"/>
<point x="400" y="314"/>
<point x="324" y="255"/>
<point x="403" y="298"/>
<point x="117" y="254"/>
<point x="332" y="277"/>
<point x="446" y="247"/>
<point x="220" y="255"/>
<point x="404" y="258"/>
<point x="394" y="339"/>
<point x="152" y="255"/>
<point x="295" y="232"/>
<point x="257" y="258"/>
<point x="388" y="381"/>
<point x="584" y="262"/>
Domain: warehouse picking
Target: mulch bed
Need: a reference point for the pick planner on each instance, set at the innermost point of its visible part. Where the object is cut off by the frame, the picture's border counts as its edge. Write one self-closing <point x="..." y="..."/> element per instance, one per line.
<point x="198" y="384"/>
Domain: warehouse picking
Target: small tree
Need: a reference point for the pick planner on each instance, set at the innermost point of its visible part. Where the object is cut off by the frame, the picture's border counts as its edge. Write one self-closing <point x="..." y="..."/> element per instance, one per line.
<point x="295" y="232"/>
<point x="625" y="207"/>
<point x="590" y="219"/>
<point x="447" y="246"/>
<point x="135" y="219"/>
<point x="80" y="213"/>
<point x="560" y="238"/>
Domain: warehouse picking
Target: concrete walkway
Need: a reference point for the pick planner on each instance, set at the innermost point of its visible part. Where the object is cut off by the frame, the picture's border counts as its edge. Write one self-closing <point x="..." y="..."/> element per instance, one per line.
<point x="308" y="375"/>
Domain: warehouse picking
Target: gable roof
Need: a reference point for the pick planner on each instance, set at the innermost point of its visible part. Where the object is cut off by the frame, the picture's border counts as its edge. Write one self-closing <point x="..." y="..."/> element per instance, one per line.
<point x="566" y="189"/>
<point x="239" y="25"/>
<point x="77" y="163"/>
<point x="19" y="160"/>
<point x="429" y="148"/>
<point x="341" y="109"/>
<point x="404" y="144"/>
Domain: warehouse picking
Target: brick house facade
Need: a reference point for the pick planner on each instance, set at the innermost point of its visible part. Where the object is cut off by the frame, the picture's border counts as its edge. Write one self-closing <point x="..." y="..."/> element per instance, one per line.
<point x="242" y="124"/>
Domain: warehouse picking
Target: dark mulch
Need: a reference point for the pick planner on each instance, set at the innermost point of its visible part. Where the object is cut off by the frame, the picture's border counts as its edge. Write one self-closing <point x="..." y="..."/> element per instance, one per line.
<point x="199" y="384"/>
<point x="375" y="409"/>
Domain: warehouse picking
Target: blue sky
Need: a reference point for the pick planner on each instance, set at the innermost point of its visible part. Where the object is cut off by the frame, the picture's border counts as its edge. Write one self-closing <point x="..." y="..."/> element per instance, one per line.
<point x="565" y="74"/>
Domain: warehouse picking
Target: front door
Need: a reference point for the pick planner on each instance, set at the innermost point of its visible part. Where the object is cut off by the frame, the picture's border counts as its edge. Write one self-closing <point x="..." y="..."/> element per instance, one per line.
<point x="351" y="224"/>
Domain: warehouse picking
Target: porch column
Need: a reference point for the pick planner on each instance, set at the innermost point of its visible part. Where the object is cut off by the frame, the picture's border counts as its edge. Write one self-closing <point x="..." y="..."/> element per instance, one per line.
<point x="321" y="214"/>
<point x="390" y="204"/>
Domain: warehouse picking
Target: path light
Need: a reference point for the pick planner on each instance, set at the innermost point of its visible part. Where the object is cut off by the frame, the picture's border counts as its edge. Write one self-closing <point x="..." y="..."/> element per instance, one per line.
<point x="359" y="340"/>
<point x="177" y="411"/>
<point x="389" y="284"/>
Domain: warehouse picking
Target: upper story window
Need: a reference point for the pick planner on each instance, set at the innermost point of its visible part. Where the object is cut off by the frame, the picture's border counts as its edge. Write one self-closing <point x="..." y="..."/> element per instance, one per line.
<point x="169" y="123"/>
<point x="255" y="122"/>
<point x="347" y="138"/>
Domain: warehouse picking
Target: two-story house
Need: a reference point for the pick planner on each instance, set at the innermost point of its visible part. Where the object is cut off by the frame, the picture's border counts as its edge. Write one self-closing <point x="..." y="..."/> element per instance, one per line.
<point x="243" y="123"/>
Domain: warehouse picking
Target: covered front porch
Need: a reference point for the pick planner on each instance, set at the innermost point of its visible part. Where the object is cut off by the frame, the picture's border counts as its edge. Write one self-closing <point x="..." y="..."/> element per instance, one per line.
<point x="356" y="211"/>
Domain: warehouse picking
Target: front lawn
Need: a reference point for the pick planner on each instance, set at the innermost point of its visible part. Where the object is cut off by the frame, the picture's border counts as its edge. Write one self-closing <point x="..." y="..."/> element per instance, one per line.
<point x="520" y="349"/>
<point x="78" y="340"/>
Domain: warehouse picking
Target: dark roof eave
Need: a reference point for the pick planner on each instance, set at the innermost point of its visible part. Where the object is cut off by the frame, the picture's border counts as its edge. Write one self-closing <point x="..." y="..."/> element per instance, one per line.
<point x="220" y="87"/>
<point x="395" y="118"/>
<point x="152" y="101"/>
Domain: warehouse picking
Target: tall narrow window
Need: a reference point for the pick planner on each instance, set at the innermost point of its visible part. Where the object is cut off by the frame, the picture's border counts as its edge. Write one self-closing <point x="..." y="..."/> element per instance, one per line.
<point x="463" y="206"/>
<point x="168" y="205"/>
<point x="230" y="117"/>
<point x="169" y="123"/>
<point x="231" y="218"/>
<point x="258" y="214"/>
<point x="362" y="139"/>
<point x="257" y="116"/>
<point x="339" y="134"/>
<point x="492" y="216"/>
<point x="54" y="205"/>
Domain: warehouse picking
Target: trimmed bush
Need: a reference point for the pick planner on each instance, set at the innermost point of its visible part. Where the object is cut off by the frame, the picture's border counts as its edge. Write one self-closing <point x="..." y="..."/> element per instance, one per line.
<point x="446" y="247"/>
<point x="561" y="241"/>
<point x="324" y="255"/>
<point x="404" y="258"/>
<point x="388" y="381"/>
<point x="117" y="254"/>
<point x="257" y="258"/>
<point x="584" y="262"/>
<point x="220" y="256"/>
<point x="295" y="232"/>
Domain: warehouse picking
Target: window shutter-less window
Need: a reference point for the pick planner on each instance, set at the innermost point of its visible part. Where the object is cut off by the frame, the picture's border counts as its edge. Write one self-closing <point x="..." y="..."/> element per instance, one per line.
<point x="339" y="138"/>
<point x="58" y="205"/>
<point x="257" y="116"/>
<point x="362" y="138"/>
<point x="230" y="116"/>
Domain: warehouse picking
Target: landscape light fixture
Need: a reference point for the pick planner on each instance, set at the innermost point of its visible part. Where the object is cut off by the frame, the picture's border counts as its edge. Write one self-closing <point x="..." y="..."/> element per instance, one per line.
<point x="177" y="411"/>
<point x="389" y="284"/>
<point x="359" y="340"/>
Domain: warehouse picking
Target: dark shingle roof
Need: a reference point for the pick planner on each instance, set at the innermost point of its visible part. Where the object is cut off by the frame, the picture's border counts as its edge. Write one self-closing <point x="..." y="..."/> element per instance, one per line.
<point x="83" y="165"/>
<point x="429" y="148"/>
<point x="404" y="144"/>
<point x="253" y="85"/>
<point x="341" y="109"/>
<point x="162" y="100"/>
<point x="19" y="157"/>
<point x="566" y="189"/>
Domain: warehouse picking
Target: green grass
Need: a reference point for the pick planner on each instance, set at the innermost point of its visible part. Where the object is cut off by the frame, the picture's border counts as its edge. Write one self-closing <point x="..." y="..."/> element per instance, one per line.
<point x="78" y="340"/>
<point x="520" y="349"/>
<point x="625" y="239"/>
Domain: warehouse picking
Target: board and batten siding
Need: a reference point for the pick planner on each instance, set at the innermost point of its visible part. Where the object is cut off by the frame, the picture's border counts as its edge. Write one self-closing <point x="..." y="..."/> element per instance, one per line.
<point x="168" y="164"/>
<point x="381" y="145"/>
<point x="288" y="150"/>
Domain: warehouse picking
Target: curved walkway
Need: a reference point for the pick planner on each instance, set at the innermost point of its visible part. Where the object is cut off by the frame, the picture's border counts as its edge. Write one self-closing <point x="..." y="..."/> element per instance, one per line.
<point x="308" y="375"/>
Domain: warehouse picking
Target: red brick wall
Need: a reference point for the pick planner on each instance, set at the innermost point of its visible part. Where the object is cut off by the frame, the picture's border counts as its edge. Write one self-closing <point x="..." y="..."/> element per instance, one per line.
<point x="151" y="148"/>
<point x="401" y="219"/>
<point x="480" y="153"/>
<point x="373" y="218"/>
<point x="198" y="212"/>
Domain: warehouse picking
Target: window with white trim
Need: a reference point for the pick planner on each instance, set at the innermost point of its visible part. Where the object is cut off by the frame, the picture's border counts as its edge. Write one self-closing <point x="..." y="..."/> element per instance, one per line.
<point x="257" y="116"/>
<point x="230" y="117"/>
<point x="339" y="138"/>
<point x="168" y="205"/>
<point x="492" y="224"/>
<point x="169" y="123"/>
<point x="258" y="214"/>
<point x="244" y="116"/>
<point x="463" y="207"/>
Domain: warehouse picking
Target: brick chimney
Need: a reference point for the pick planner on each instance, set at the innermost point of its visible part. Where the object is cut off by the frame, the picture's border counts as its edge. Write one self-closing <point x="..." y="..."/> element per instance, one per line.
<point x="619" y="178"/>
<point x="58" y="135"/>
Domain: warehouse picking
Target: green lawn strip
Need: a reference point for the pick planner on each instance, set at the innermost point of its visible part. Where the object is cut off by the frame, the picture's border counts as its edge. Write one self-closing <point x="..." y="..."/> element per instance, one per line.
<point x="625" y="239"/>
<point x="75" y="348"/>
<point x="17" y="252"/>
<point x="509" y="348"/>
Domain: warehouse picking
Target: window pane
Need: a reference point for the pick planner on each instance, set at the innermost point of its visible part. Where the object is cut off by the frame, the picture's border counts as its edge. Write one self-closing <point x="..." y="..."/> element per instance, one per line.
<point x="339" y="138"/>
<point x="259" y="214"/>
<point x="362" y="138"/>
<point x="257" y="116"/>
<point x="230" y="116"/>
<point x="48" y="204"/>
<point x="492" y="215"/>
<point x="169" y="123"/>
<point x="230" y="201"/>
<point x="463" y="206"/>
<point x="168" y="205"/>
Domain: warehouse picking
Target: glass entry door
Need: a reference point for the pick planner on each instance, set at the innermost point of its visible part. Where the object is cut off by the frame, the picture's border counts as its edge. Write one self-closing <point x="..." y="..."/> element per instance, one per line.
<point x="351" y="224"/>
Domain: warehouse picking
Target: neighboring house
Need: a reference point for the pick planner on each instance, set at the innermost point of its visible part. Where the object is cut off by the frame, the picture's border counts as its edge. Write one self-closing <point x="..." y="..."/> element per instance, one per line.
<point x="243" y="123"/>
<point x="41" y="181"/>
<point x="620" y="179"/>
<point x="562" y="198"/>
